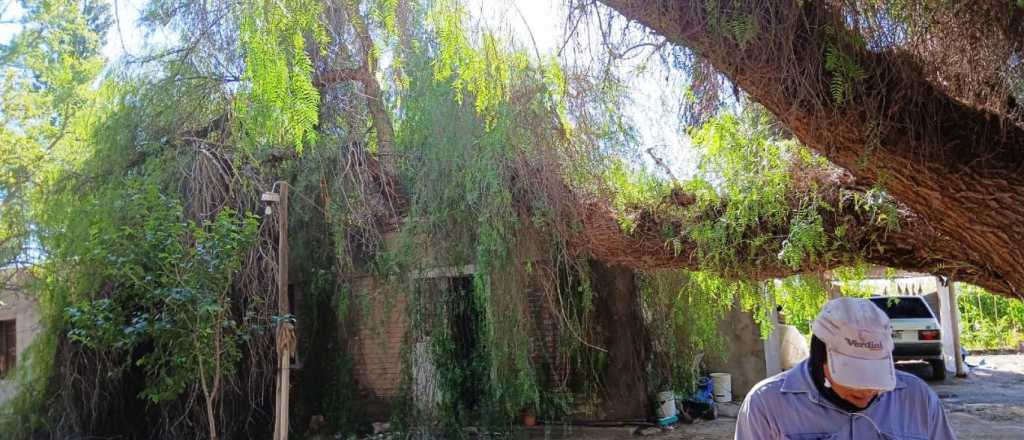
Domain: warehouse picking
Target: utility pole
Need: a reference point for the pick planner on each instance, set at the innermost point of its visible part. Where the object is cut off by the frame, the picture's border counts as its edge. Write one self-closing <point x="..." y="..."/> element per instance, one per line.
<point x="285" y="331"/>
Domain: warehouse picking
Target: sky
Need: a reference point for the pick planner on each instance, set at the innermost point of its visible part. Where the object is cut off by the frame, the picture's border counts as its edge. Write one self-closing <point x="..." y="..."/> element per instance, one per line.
<point x="125" y="36"/>
<point x="654" y="96"/>
<point x="9" y="11"/>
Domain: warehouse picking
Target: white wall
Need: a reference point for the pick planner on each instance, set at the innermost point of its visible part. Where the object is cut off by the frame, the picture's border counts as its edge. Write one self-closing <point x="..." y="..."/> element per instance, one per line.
<point x="25" y="310"/>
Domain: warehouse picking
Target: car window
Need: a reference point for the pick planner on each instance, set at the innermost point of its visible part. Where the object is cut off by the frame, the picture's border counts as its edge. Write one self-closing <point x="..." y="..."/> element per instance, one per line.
<point x="898" y="308"/>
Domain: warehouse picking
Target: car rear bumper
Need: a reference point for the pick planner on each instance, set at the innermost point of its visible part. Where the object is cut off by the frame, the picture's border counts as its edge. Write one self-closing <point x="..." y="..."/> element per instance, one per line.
<point x="917" y="350"/>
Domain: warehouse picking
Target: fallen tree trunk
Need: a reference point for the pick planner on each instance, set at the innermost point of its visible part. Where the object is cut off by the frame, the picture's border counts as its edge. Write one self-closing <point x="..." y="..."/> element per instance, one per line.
<point x="958" y="167"/>
<point x="914" y="245"/>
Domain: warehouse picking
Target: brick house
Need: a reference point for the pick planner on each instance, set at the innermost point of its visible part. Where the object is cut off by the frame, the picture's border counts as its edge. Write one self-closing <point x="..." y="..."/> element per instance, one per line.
<point x="380" y="331"/>
<point x="377" y="345"/>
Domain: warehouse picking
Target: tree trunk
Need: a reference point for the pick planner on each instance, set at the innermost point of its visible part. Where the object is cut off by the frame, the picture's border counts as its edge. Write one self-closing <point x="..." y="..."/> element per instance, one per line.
<point x="624" y="394"/>
<point x="865" y="238"/>
<point x="957" y="166"/>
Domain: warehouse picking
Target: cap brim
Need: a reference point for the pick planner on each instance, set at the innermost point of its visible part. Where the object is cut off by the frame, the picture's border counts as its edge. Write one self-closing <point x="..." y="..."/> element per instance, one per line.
<point x="869" y="374"/>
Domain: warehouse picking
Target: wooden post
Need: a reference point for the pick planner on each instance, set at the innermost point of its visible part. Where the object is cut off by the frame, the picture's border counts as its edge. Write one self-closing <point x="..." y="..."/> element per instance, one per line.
<point x="285" y="334"/>
<point x="954" y="310"/>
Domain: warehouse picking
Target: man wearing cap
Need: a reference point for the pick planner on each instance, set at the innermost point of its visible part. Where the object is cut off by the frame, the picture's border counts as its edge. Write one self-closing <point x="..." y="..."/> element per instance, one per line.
<point x="847" y="389"/>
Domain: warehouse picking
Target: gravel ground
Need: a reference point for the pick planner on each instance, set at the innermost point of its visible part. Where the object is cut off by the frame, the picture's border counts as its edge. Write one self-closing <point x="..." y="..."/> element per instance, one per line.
<point x="986" y="405"/>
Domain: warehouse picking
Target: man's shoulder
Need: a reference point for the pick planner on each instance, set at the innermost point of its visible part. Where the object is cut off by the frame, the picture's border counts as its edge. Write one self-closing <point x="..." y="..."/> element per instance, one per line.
<point x="912" y="384"/>
<point x="914" y="391"/>
<point x="769" y="387"/>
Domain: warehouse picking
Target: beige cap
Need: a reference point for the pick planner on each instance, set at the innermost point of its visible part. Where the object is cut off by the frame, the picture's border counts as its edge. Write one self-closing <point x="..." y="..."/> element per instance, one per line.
<point x="858" y="336"/>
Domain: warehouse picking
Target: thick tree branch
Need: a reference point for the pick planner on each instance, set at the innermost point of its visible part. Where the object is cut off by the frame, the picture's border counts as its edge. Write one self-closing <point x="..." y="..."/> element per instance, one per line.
<point x="365" y="74"/>
<point x="911" y="246"/>
<point x="958" y="167"/>
<point x="336" y="76"/>
<point x="380" y="117"/>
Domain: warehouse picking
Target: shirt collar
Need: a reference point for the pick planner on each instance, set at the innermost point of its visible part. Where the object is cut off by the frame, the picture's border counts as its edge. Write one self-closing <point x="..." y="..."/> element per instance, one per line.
<point x="798" y="380"/>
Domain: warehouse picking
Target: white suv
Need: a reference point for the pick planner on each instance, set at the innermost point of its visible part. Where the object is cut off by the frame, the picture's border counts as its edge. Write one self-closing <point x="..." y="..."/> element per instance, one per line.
<point x="915" y="331"/>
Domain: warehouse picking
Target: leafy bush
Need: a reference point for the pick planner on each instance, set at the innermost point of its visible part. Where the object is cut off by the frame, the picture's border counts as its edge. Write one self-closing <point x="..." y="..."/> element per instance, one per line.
<point x="989" y="321"/>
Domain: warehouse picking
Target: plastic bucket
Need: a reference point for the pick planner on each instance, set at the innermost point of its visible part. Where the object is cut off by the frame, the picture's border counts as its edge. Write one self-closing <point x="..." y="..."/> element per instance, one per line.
<point x="666" y="405"/>
<point x="722" y="386"/>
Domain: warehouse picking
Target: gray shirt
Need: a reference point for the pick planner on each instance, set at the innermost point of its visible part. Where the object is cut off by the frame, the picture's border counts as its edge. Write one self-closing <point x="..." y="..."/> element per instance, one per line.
<point x="789" y="406"/>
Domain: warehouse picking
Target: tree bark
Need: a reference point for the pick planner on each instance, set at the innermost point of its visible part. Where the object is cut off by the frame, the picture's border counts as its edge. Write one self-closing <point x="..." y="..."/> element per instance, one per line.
<point x="915" y="245"/>
<point x="365" y="74"/>
<point x="380" y="118"/>
<point x="958" y="167"/>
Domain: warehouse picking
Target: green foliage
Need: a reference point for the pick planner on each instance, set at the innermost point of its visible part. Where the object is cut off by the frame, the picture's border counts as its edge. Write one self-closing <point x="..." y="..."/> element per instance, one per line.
<point x="463" y="206"/>
<point x="385" y="12"/>
<point x="472" y="124"/>
<point x="686" y="311"/>
<point x="744" y="29"/>
<point x="45" y="81"/>
<point x="744" y="178"/>
<point x="337" y="389"/>
<point x="747" y="213"/>
<point x="741" y="158"/>
<point x="22" y="414"/>
<point x="631" y="191"/>
<point x="851" y="280"/>
<point x="684" y="327"/>
<point x="130" y="283"/>
<point x="341" y="399"/>
<point x="142" y="261"/>
<point x="844" y="70"/>
<point x="281" y="104"/>
<point x="806" y="237"/>
<point x="740" y="28"/>
<point x="488" y="73"/>
<point x="881" y="207"/>
<point x="173" y="278"/>
<point x="801" y="298"/>
<point x="989" y="321"/>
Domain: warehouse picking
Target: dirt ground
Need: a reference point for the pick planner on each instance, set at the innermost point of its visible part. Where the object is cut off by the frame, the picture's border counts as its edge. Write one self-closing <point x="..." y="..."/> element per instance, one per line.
<point x="986" y="405"/>
<point x="989" y="402"/>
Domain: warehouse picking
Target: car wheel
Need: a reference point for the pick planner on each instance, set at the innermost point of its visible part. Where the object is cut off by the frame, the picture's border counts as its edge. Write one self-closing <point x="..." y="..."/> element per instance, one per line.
<point x="938" y="369"/>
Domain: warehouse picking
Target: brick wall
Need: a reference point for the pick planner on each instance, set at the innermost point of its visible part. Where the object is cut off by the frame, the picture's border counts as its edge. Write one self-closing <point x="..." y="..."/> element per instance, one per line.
<point x="545" y="328"/>
<point x="377" y="344"/>
<point x="381" y="327"/>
